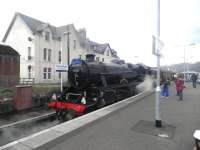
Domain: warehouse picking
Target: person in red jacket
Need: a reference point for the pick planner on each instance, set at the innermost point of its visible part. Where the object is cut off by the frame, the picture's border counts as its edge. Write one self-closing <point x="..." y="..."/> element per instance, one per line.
<point x="179" y="87"/>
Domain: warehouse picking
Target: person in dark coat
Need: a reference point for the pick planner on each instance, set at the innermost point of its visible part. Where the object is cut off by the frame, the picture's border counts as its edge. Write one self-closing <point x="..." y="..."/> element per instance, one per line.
<point x="194" y="80"/>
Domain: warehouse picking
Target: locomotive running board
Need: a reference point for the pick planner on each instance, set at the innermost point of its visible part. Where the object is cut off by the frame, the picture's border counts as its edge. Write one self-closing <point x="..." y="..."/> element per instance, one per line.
<point x="48" y="138"/>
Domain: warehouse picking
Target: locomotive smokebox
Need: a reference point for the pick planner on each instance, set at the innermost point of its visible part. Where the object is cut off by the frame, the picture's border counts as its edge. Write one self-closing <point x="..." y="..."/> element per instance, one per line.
<point x="90" y="57"/>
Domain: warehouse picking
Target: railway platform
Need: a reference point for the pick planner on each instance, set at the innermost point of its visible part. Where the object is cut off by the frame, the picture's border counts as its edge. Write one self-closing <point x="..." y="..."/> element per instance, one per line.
<point x="127" y="125"/>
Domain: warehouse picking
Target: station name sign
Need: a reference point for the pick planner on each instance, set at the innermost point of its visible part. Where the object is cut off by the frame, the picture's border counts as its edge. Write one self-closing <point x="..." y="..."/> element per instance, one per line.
<point x="157" y="46"/>
<point x="61" y="68"/>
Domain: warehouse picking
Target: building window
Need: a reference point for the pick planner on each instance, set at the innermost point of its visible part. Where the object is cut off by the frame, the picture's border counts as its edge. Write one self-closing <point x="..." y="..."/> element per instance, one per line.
<point x="95" y="47"/>
<point x="45" y="73"/>
<point x="74" y="44"/>
<point x="59" y="75"/>
<point x="49" y="55"/>
<point x="49" y="73"/>
<point x="29" y="71"/>
<point x="97" y="59"/>
<point x="102" y="59"/>
<point x="59" y="56"/>
<point x="29" y="53"/>
<point x="47" y="36"/>
<point x="30" y="39"/>
<point x="80" y="56"/>
<point x="107" y="53"/>
<point x="45" y="54"/>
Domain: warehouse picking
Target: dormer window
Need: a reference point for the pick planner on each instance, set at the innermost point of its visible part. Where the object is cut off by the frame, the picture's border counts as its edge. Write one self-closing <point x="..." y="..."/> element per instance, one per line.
<point x="47" y="36"/>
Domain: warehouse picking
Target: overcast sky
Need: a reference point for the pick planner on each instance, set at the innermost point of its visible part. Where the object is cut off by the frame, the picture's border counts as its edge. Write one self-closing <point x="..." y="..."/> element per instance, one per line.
<point x="127" y="25"/>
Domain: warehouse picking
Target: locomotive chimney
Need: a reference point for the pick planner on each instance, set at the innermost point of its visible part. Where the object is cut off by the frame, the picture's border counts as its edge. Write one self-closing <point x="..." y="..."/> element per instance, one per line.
<point x="90" y="57"/>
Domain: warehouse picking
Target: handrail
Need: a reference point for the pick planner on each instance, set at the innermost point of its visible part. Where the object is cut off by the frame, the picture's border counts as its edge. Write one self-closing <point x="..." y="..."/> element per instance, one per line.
<point x="27" y="81"/>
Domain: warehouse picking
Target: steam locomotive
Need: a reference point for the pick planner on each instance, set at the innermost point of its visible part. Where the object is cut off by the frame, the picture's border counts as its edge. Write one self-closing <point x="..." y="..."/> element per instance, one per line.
<point x="96" y="84"/>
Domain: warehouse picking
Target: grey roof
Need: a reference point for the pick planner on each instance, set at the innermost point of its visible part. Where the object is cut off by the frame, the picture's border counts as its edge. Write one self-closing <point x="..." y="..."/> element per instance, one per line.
<point x="100" y="48"/>
<point x="32" y="23"/>
<point x="37" y="26"/>
<point x="7" y="50"/>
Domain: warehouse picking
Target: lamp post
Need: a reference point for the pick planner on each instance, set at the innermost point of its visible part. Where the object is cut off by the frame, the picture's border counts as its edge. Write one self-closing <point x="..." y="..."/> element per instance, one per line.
<point x="184" y="73"/>
<point x="189" y="62"/>
<point x="68" y="57"/>
<point x="184" y="65"/>
<point x="158" y="122"/>
<point x="68" y="49"/>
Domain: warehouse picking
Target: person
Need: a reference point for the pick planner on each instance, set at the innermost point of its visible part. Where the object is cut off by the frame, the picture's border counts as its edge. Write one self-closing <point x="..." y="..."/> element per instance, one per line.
<point x="194" y="80"/>
<point x="83" y="100"/>
<point x="54" y="96"/>
<point x="165" y="89"/>
<point x="179" y="87"/>
<point x="175" y="79"/>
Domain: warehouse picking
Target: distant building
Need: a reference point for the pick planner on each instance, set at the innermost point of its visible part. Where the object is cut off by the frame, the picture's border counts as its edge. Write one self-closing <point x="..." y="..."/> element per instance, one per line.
<point x="39" y="45"/>
<point x="9" y="66"/>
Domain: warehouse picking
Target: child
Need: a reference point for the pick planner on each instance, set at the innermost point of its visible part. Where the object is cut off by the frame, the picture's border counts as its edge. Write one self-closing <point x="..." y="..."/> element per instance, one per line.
<point x="165" y="89"/>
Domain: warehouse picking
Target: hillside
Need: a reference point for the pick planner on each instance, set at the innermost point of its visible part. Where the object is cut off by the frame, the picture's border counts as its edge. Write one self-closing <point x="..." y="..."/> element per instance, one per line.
<point x="180" y="67"/>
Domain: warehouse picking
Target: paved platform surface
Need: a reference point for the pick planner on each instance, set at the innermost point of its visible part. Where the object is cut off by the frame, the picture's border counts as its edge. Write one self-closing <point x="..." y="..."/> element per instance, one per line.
<point x="117" y="131"/>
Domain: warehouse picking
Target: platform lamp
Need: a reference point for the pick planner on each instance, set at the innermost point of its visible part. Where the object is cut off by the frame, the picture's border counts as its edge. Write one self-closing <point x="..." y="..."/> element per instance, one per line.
<point x="68" y="55"/>
<point x="184" y="73"/>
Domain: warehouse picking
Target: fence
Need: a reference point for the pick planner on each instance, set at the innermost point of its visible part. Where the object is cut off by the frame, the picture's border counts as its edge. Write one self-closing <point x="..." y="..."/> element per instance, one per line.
<point x="27" y="81"/>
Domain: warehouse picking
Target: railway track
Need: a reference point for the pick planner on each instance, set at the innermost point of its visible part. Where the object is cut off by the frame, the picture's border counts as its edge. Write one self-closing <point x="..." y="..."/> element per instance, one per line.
<point x="17" y="130"/>
<point x="14" y="131"/>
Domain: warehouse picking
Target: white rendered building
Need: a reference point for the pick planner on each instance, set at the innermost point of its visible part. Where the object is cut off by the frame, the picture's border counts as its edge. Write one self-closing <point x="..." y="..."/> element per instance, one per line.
<point x="40" y="44"/>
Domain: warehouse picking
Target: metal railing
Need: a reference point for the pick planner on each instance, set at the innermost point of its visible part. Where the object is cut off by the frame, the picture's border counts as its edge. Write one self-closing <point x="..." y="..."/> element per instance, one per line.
<point x="27" y="81"/>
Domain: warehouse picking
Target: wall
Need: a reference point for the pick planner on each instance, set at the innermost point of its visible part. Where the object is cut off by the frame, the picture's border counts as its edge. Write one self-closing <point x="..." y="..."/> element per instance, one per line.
<point x="18" y="39"/>
<point x="9" y="72"/>
<point x="54" y="45"/>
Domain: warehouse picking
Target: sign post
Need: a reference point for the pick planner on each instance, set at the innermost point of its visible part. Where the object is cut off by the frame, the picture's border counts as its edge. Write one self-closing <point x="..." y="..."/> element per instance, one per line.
<point x="61" y="68"/>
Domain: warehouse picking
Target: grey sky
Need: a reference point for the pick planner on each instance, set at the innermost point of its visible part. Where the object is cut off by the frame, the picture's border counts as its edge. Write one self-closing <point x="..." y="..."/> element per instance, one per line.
<point x="126" y="24"/>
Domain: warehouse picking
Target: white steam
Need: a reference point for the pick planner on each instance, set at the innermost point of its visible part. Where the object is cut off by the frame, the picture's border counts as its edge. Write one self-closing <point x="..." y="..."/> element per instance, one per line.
<point x="146" y="85"/>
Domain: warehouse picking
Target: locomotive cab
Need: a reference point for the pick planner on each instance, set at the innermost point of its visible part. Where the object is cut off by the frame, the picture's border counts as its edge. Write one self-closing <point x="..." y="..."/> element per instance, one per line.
<point x="78" y="73"/>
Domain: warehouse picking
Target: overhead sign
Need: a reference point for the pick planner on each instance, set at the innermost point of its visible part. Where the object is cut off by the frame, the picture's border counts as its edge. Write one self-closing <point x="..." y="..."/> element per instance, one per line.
<point x="157" y="45"/>
<point x="61" y="68"/>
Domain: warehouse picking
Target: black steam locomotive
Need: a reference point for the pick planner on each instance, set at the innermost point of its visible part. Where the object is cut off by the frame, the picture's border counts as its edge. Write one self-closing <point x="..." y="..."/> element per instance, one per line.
<point x="96" y="84"/>
<point x="107" y="82"/>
